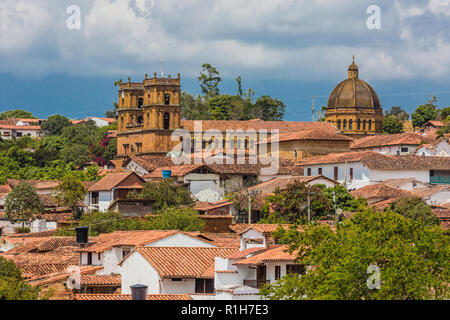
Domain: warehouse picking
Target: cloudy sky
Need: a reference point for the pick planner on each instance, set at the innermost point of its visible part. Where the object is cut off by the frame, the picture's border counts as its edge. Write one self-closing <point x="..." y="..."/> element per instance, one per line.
<point x="290" y="49"/>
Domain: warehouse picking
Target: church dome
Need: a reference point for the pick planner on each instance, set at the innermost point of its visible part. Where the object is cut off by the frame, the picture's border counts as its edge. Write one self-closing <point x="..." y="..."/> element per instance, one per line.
<point x="353" y="92"/>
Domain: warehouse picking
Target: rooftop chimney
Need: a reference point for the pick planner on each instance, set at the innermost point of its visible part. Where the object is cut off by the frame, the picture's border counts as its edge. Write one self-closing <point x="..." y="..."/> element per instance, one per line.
<point x="82" y="235"/>
<point x="138" y="292"/>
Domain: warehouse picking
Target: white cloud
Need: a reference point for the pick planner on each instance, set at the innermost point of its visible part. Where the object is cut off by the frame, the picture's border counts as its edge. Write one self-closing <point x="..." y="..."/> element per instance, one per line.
<point x="275" y="38"/>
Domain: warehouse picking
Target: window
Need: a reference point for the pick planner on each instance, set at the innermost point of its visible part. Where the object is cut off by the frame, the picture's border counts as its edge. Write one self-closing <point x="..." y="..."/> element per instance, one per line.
<point x="140" y="103"/>
<point x="177" y="279"/>
<point x="277" y="272"/>
<point x="204" y="285"/>
<point x="19" y="134"/>
<point x="350" y="124"/>
<point x="167" y="99"/>
<point x="320" y="171"/>
<point x="345" y="124"/>
<point x="166" y="121"/>
<point x="339" y="124"/>
<point x="370" y="124"/>
<point x="125" y="251"/>
<point x="89" y="258"/>
<point x="140" y="120"/>
<point x="364" y="125"/>
<point x="404" y="149"/>
<point x="295" y="269"/>
<point x="309" y="172"/>
<point x="336" y="173"/>
<point x="99" y="257"/>
<point x="94" y="198"/>
<point x="295" y="154"/>
<point x="359" y="124"/>
<point x="351" y="173"/>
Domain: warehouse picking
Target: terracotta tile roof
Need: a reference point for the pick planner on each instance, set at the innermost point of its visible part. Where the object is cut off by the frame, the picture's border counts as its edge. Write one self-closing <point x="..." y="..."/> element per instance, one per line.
<point x="34" y="234"/>
<point x="375" y="160"/>
<point x="107" y="241"/>
<point x="434" y="123"/>
<point x="5" y="190"/>
<point x="426" y="192"/>
<point x="53" y="243"/>
<point x="179" y="171"/>
<point x="407" y="138"/>
<point x="282" y="126"/>
<point x="400" y="182"/>
<point x="205" y="206"/>
<point x="273" y="254"/>
<point x="61" y="255"/>
<point x="150" y="163"/>
<point x="48" y="200"/>
<point x="111" y="181"/>
<point x="38" y="270"/>
<point x="101" y="280"/>
<point x="262" y="228"/>
<point x="118" y="297"/>
<point x="61" y="276"/>
<point x="380" y="190"/>
<point x="313" y="134"/>
<point x="222" y="240"/>
<point x="380" y="206"/>
<point x="37" y="184"/>
<point x="245" y="253"/>
<point x="63" y="217"/>
<point x="283" y="182"/>
<point x="182" y="262"/>
<point x="24" y="127"/>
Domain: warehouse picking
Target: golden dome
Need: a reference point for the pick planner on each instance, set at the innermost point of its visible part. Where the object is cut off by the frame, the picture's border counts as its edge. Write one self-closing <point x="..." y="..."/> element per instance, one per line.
<point x="353" y="92"/>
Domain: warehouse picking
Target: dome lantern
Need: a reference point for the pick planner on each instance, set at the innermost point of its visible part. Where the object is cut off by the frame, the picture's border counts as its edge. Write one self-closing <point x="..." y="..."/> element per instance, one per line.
<point x="353" y="70"/>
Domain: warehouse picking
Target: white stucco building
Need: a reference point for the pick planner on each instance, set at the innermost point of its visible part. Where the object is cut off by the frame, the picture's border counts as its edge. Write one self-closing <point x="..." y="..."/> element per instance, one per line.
<point x="358" y="169"/>
<point x="438" y="148"/>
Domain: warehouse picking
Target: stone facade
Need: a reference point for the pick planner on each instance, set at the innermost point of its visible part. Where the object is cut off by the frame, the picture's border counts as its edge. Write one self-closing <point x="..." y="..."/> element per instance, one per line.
<point x="148" y="114"/>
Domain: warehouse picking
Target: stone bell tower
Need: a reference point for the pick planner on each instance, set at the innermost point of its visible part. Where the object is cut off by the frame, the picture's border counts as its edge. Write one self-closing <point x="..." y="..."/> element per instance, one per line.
<point x="148" y="114"/>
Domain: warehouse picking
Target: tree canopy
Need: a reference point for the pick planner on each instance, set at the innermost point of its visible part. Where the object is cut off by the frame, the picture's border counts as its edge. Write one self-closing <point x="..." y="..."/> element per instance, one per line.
<point x="12" y="285"/>
<point x="392" y="125"/>
<point x="55" y="124"/>
<point x="425" y="113"/>
<point x="23" y="203"/>
<point x="411" y="260"/>
<point x="16" y="114"/>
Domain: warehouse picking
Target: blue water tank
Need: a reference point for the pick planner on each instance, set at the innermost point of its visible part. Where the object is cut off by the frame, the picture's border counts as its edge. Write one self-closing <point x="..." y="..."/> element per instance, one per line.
<point x="167" y="174"/>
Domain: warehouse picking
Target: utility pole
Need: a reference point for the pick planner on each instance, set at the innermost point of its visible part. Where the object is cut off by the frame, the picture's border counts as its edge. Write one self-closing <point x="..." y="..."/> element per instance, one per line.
<point x="314" y="109"/>
<point x="309" y="208"/>
<point x="249" y="210"/>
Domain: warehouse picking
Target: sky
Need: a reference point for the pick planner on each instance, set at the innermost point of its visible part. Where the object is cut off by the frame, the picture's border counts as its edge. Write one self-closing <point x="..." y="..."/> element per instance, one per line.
<point x="289" y="49"/>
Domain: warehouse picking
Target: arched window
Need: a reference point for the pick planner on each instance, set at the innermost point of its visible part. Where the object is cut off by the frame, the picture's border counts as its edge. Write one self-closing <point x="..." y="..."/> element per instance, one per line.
<point x="345" y="124"/>
<point x="364" y="125"/>
<point x="350" y="124"/>
<point x="167" y="99"/>
<point x="359" y="124"/>
<point x="339" y="124"/>
<point x="370" y="124"/>
<point x="166" y="121"/>
<point x="140" y="120"/>
<point x="140" y="103"/>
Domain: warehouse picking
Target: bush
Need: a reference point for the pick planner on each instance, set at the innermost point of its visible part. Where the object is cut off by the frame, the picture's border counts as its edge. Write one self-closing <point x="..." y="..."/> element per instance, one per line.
<point x="23" y="230"/>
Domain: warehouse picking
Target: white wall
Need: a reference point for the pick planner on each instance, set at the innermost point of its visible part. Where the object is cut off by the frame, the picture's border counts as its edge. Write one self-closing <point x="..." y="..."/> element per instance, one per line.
<point x="378" y="175"/>
<point x="181" y="240"/>
<point x="105" y="198"/>
<point x="440" y="197"/>
<point x="133" y="166"/>
<point x="360" y="173"/>
<point x="136" y="270"/>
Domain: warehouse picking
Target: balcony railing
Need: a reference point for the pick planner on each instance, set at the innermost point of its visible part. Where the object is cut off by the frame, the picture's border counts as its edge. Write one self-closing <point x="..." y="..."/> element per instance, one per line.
<point x="440" y="180"/>
<point x="255" y="283"/>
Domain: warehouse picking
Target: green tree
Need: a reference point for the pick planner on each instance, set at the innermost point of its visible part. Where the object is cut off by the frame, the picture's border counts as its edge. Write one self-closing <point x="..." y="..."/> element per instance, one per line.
<point x="83" y="134"/>
<point x="445" y="129"/>
<point x="269" y="109"/>
<point x="413" y="259"/>
<point x="16" y="114"/>
<point x="55" y="125"/>
<point x="183" y="219"/>
<point x="444" y="113"/>
<point x="239" y="86"/>
<point x="166" y="194"/>
<point x="78" y="154"/>
<point x="425" y="113"/>
<point x="113" y="113"/>
<point x="416" y="209"/>
<point x="12" y="285"/>
<point x="209" y="80"/>
<point x="344" y="200"/>
<point x="70" y="192"/>
<point x="291" y="205"/>
<point x="23" y="203"/>
<point x="194" y="108"/>
<point x="392" y="125"/>
<point x="219" y="107"/>
<point x="398" y="112"/>
<point x="48" y="149"/>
